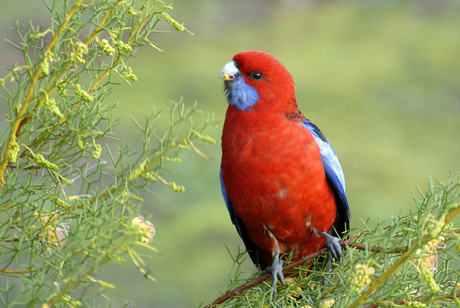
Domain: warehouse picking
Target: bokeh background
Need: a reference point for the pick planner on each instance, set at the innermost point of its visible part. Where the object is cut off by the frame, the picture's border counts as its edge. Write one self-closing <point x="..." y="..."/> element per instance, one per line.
<point x="381" y="78"/>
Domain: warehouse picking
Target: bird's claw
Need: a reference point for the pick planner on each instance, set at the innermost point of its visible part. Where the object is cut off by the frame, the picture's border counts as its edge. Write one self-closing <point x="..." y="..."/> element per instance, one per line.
<point x="276" y="271"/>
<point x="332" y="243"/>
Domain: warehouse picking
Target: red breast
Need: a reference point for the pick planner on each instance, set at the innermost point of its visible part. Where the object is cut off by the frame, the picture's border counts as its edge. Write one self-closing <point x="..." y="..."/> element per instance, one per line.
<point x="272" y="170"/>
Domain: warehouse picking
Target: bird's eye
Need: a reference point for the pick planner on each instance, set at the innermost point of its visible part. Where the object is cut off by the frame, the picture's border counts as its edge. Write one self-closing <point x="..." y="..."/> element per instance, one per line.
<point x="256" y="75"/>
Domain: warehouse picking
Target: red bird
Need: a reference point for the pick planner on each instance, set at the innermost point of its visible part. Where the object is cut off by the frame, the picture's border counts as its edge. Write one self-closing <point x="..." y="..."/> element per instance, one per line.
<point x="281" y="180"/>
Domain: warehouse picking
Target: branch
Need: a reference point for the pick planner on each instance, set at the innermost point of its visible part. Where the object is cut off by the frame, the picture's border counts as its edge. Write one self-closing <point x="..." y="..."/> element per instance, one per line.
<point x="407" y="254"/>
<point x="350" y="242"/>
<point x="26" y="168"/>
<point x="17" y="123"/>
<point x="17" y="272"/>
<point x="420" y="299"/>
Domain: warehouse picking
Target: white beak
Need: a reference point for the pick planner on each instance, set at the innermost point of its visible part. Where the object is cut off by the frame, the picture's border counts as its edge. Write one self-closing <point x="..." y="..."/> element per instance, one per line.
<point x="229" y="71"/>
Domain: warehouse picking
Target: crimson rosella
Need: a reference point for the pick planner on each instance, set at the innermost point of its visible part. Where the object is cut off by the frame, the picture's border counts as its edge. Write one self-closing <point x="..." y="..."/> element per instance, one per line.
<point x="281" y="180"/>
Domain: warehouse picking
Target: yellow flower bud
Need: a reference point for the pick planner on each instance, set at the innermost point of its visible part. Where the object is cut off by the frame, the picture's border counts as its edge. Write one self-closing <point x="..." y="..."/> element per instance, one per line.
<point x="175" y="24"/>
<point x="13" y="156"/>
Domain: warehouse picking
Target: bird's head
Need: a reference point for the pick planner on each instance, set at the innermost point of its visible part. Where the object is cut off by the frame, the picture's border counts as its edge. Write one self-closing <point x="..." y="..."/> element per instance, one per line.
<point x="257" y="80"/>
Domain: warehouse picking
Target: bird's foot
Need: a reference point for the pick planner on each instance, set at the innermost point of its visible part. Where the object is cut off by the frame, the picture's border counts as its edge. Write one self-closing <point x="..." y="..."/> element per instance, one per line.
<point x="332" y="243"/>
<point x="276" y="271"/>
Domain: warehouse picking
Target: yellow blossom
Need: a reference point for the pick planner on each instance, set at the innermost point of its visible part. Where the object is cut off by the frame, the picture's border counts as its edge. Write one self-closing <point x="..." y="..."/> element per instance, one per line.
<point x="52" y="108"/>
<point x="42" y="162"/>
<point x="79" y="50"/>
<point x="13" y="156"/>
<point x="105" y="46"/>
<point x="82" y="94"/>
<point x="143" y="228"/>
<point x="428" y="277"/>
<point x="130" y="74"/>
<point x="431" y="261"/>
<point x="97" y="151"/>
<point x="327" y="303"/>
<point x="122" y="46"/>
<point x="362" y="276"/>
<point x="175" y="24"/>
<point x="176" y="188"/>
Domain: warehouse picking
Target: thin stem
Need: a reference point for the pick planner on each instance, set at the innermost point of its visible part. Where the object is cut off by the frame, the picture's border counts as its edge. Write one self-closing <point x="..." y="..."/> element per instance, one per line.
<point x="103" y="21"/>
<point x="70" y="286"/>
<point x="17" y="272"/>
<point x="51" y="90"/>
<point x="350" y="242"/>
<point x="34" y="78"/>
<point x="123" y="184"/>
<point x="403" y="259"/>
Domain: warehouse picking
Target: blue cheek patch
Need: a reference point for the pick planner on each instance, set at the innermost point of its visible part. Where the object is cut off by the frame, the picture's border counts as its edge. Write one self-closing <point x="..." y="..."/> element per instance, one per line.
<point x="241" y="95"/>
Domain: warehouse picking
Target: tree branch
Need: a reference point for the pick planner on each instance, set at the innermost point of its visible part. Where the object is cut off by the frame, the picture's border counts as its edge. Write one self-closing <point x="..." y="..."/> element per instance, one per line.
<point x="350" y="242"/>
<point x="17" y="123"/>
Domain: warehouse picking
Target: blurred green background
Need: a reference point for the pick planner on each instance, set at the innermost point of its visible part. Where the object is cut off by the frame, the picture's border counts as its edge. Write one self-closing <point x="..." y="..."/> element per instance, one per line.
<point x="381" y="78"/>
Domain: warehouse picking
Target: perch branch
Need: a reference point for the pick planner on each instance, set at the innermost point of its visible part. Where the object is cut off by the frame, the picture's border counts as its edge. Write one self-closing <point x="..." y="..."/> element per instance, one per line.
<point x="350" y="242"/>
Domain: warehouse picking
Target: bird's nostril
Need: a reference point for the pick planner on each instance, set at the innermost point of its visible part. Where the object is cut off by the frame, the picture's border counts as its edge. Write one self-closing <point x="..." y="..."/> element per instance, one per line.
<point x="228" y="77"/>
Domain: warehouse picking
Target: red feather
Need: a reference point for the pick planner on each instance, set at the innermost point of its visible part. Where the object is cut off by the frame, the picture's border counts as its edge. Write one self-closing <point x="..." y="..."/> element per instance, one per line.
<point x="271" y="165"/>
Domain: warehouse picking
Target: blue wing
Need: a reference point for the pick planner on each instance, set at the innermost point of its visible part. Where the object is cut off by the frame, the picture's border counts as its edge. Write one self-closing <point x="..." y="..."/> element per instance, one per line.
<point x="251" y="247"/>
<point x="334" y="175"/>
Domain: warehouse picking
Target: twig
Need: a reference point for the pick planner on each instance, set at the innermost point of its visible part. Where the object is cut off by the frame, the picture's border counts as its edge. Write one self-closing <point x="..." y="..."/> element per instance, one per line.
<point x="17" y="123"/>
<point x="26" y="168"/>
<point x="407" y="254"/>
<point x="350" y="242"/>
<point x="17" y="272"/>
<point x="420" y="299"/>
